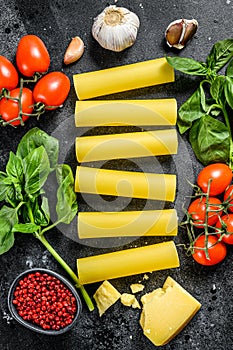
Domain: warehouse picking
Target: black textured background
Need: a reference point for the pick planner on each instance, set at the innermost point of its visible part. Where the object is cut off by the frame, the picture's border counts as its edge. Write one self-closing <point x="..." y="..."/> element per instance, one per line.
<point x="56" y="22"/>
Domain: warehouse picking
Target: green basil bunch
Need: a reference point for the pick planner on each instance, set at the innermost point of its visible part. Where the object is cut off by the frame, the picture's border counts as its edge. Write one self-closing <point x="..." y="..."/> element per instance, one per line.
<point x="25" y="206"/>
<point x="207" y="112"/>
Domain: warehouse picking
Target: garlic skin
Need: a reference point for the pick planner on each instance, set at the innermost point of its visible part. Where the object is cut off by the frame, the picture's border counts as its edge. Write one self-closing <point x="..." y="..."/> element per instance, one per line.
<point x="179" y="32"/>
<point x="115" y="28"/>
<point x="74" y="51"/>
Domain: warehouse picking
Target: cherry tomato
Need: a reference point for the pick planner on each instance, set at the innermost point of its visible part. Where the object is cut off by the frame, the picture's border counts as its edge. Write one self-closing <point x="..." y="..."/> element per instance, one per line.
<point x="228" y="221"/>
<point x="8" y="75"/>
<point x="221" y="176"/>
<point x="228" y="196"/>
<point x="217" y="251"/>
<point x="32" y="56"/>
<point x="197" y="210"/>
<point x="52" y="90"/>
<point x="9" y="109"/>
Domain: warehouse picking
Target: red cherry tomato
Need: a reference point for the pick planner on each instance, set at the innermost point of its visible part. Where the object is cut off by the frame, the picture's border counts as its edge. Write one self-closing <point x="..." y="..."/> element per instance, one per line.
<point x="217" y="250"/>
<point x="197" y="210"/>
<point x="228" y="196"/>
<point x="8" y="75"/>
<point x="221" y="176"/>
<point x="32" y="56"/>
<point x="9" y="109"/>
<point x="52" y="90"/>
<point x="228" y="221"/>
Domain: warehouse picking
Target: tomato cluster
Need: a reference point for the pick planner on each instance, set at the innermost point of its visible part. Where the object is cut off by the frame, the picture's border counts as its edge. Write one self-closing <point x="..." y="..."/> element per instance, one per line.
<point x="211" y="212"/>
<point x="18" y="103"/>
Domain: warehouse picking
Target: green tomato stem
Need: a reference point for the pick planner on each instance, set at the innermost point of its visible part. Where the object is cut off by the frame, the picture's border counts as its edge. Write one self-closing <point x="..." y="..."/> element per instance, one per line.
<point x="206" y="220"/>
<point x="66" y="267"/>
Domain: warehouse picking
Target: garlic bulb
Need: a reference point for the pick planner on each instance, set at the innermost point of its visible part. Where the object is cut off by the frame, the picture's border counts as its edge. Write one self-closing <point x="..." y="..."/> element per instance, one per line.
<point x="115" y="28"/>
<point x="179" y="32"/>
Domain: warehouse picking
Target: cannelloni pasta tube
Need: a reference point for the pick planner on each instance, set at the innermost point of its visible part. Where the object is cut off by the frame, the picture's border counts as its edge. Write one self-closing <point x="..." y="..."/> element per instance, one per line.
<point x="126" y="145"/>
<point x="127" y="223"/>
<point x="125" y="183"/>
<point x="128" y="262"/>
<point x="126" y="112"/>
<point x="123" y="78"/>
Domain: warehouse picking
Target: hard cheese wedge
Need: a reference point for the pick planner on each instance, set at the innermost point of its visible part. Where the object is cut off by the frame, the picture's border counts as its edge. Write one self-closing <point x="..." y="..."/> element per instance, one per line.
<point x="166" y="311"/>
<point x="105" y="296"/>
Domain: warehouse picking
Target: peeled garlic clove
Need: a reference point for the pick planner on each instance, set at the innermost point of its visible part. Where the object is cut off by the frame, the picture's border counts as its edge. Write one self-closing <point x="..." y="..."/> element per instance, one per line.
<point x="115" y="28"/>
<point x="74" y="50"/>
<point x="179" y="32"/>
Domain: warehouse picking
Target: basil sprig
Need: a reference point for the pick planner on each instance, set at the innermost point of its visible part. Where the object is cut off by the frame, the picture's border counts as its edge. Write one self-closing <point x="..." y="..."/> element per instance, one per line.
<point x="207" y="112"/>
<point x="22" y="189"/>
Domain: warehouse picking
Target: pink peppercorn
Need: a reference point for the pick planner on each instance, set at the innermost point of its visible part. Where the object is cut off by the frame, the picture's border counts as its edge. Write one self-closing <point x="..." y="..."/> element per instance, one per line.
<point x="44" y="300"/>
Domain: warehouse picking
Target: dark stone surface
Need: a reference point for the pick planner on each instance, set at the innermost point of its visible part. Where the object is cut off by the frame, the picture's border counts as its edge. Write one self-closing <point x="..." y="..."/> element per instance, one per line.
<point x="56" y="22"/>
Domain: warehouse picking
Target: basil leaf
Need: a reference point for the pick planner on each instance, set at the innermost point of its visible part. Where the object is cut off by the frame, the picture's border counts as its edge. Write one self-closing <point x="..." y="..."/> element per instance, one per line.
<point x="45" y="208"/>
<point x="188" y="65"/>
<point x="66" y="197"/>
<point x="11" y="196"/>
<point x="25" y="228"/>
<point x="14" y="167"/>
<point x="36" y="169"/>
<point x="190" y="111"/>
<point x="210" y="140"/>
<point x="18" y="192"/>
<point x="220" y="54"/>
<point x="228" y="90"/>
<point x="41" y="212"/>
<point x="229" y="70"/>
<point x="217" y="88"/>
<point x="8" y="218"/>
<point x="3" y="186"/>
<point x="36" y="138"/>
<point x="10" y="191"/>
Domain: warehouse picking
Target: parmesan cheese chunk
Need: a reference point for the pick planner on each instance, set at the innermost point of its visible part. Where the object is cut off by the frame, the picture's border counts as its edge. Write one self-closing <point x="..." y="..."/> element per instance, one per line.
<point x="166" y="311"/>
<point x="136" y="287"/>
<point x="130" y="300"/>
<point x="105" y="296"/>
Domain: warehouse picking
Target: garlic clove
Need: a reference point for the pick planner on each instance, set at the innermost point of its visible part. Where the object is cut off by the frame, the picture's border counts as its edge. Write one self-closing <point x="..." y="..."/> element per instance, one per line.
<point x="191" y="28"/>
<point x="115" y="28"/>
<point x="173" y="33"/>
<point x="74" y="51"/>
<point x="179" y="32"/>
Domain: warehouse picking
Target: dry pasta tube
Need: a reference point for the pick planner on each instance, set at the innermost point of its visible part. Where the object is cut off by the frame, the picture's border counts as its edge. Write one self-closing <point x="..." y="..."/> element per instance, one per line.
<point x="126" y="145"/>
<point x="127" y="223"/>
<point x="126" y="112"/>
<point x="123" y="78"/>
<point x="128" y="262"/>
<point x="125" y="183"/>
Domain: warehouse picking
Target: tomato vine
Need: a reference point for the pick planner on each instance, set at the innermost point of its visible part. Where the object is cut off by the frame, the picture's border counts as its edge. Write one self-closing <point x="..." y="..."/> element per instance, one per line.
<point x="208" y="223"/>
<point x="50" y="90"/>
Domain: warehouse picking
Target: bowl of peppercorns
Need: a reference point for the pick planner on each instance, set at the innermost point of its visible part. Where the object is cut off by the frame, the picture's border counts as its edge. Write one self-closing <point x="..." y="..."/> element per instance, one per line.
<point x="44" y="301"/>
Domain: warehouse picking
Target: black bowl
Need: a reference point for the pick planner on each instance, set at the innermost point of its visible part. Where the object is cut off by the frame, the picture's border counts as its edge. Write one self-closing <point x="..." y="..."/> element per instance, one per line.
<point x="30" y="325"/>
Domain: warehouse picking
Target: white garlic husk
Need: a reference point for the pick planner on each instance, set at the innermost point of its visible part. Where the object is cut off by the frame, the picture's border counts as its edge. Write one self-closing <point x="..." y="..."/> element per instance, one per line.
<point x="115" y="28"/>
